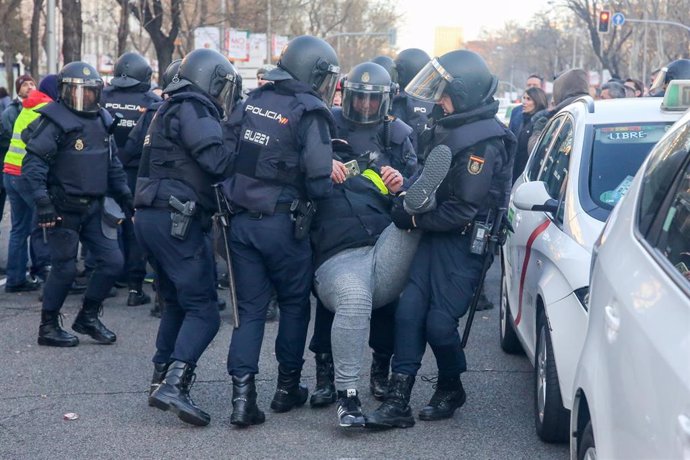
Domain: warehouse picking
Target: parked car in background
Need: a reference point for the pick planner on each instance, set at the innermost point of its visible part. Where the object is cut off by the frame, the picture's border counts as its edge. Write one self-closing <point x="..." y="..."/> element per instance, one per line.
<point x="631" y="395"/>
<point x="582" y="165"/>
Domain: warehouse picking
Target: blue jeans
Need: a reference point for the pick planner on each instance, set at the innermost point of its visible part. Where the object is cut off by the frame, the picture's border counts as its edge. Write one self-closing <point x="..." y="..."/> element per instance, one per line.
<point x="23" y="225"/>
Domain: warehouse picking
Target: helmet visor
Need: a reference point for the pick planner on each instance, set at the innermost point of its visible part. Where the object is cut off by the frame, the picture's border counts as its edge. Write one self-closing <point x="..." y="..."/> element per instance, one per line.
<point x="659" y="82"/>
<point x="326" y="88"/>
<point x="430" y="83"/>
<point x="227" y="96"/>
<point x="365" y="104"/>
<point x="81" y="95"/>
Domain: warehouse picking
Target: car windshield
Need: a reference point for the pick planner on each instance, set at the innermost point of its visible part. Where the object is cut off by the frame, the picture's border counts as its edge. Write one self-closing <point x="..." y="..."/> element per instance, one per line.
<point x="617" y="153"/>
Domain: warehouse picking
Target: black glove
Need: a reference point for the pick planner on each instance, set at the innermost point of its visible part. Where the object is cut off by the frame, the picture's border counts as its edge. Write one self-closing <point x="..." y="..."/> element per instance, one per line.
<point x="400" y="217"/>
<point x="46" y="212"/>
<point x="126" y="202"/>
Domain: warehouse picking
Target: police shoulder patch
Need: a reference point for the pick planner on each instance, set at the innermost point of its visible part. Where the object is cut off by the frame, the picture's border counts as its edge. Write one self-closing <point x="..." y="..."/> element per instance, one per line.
<point x="475" y="165"/>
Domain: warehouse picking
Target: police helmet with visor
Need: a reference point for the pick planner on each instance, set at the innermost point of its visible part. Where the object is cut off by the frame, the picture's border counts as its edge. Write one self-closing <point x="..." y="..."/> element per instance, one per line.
<point x="463" y="75"/>
<point x="131" y="69"/>
<point x="408" y="63"/>
<point x="366" y="94"/>
<point x="80" y="87"/>
<point x="210" y="72"/>
<point x="313" y="62"/>
<point x="676" y="70"/>
<point x="170" y="73"/>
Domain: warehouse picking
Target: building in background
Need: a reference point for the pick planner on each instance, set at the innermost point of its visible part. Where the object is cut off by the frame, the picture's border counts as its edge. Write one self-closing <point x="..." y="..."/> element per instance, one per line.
<point x="447" y="39"/>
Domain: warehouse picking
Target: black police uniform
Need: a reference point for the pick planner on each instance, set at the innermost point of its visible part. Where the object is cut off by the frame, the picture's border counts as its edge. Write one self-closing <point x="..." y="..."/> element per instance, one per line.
<point x="127" y="105"/>
<point x="183" y="155"/>
<point x="71" y="161"/>
<point x="284" y="154"/>
<point x="444" y="273"/>
<point x="414" y="113"/>
<point x="391" y="144"/>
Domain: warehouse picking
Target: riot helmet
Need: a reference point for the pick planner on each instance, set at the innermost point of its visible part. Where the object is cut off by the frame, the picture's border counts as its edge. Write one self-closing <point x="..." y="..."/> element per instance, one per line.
<point x="366" y="94"/>
<point x="80" y="87"/>
<point x="131" y="69"/>
<point x="170" y="73"/>
<point x="408" y="63"/>
<point x="676" y="70"/>
<point x="388" y="64"/>
<point x="210" y="72"/>
<point x="463" y="75"/>
<point x="312" y="61"/>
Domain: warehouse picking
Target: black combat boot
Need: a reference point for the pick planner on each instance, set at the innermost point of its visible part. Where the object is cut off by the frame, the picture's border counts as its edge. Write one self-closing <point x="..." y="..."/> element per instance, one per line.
<point x="137" y="296"/>
<point x="87" y="322"/>
<point x="395" y="411"/>
<point x="378" y="382"/>
<point x="245" y="412"/>
<point x="290" y="392"/>
<point x="449" y="395"/>
<point x="50" y="333"/>
<point x="173" y="394"/>
<point x="324" y="393"/>
<point x="159" y="370"/>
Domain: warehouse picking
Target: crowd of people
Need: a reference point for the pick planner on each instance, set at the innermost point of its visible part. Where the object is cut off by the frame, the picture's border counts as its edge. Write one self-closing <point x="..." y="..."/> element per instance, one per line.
<point x="378" y="205"/>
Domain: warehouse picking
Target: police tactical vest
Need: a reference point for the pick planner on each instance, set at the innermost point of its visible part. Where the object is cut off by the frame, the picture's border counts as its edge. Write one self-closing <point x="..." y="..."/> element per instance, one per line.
<point x="131" y="105"/>
<point x="412" y="111"/>
<point x="465" y="136"/>
<point x="268" y="154"/>
<point x="81" y="164"/>
<point x="384" y="140"/>
<point x="166" y="166"/>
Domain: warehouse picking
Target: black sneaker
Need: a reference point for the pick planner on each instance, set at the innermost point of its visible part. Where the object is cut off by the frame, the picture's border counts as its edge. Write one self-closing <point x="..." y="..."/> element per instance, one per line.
<point x="350" y="409"/>
<point x="421" y="196"/>
<point x="27" y="286"/>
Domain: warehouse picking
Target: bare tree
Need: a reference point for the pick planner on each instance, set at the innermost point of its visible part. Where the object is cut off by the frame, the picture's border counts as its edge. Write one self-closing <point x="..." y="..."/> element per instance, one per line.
<point x="12" y="37"/>
<point x="151" y="14"/>
<point x="123" y="27"/>
<point x="35" y="38"/>
<point x="71" y="30"/>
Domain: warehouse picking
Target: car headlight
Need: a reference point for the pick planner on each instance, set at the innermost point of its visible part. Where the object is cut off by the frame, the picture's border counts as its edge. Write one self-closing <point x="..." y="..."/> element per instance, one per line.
<point x="582" y="295"/>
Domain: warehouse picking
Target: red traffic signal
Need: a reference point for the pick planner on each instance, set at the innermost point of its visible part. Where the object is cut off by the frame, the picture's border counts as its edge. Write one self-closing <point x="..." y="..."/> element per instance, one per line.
<point x="604" y="21"/>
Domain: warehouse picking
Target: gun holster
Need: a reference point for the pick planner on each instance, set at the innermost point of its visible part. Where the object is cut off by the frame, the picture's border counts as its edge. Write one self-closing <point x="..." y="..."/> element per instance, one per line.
<point x="302" y="213"/>
<point x="180" y="217"/>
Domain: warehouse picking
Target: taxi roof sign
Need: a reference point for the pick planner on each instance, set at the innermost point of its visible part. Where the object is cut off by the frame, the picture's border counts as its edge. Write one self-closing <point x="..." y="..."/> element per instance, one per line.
<point x="677" y="95"/>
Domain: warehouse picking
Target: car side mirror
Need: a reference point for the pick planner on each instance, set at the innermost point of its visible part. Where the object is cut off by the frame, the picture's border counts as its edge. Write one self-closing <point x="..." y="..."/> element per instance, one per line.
<point x="532" y="196"/>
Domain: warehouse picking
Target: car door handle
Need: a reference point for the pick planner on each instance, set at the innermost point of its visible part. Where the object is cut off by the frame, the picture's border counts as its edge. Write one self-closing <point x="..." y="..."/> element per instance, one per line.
<point x="613" y="322"/>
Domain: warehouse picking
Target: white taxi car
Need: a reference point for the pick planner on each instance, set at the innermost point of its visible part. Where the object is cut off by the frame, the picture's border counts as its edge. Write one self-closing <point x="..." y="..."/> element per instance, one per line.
<point x="632" y="384"/>
<point x="582" y="165"/>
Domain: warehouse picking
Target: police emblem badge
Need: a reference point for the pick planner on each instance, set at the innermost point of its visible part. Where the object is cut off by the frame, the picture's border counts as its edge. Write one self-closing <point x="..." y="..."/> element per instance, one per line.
<point x="79" y="145"/>
<point x="365" y="77"/>
<point x="475" y="165"/>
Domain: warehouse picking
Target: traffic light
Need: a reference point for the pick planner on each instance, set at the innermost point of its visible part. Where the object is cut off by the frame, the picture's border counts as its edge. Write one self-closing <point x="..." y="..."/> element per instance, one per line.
<point x="604" y="21"/>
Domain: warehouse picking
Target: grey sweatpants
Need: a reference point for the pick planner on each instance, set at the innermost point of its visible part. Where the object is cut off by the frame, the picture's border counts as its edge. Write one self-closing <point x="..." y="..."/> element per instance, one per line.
<point x="352" y="283"/>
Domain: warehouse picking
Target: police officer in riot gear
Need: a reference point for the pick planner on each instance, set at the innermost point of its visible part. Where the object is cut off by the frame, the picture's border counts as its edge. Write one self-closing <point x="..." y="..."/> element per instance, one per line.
<point x="389" y="64"/>
<point x="128" y="96"/>
<point x="675" y="70"/>
<point x="414" y="112"/>
<point x="284" y="160"/>
<point x="70" y="166"/>
<point x="184" y="154"/>
<point x="446" y="270"/>
<point x="378" y="140"/>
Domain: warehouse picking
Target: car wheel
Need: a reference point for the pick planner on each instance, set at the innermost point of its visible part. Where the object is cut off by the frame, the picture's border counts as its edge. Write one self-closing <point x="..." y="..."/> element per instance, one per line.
<point x="509" y="340"/>
<point x="587" y="449"/>
<point x="551" y="418"/>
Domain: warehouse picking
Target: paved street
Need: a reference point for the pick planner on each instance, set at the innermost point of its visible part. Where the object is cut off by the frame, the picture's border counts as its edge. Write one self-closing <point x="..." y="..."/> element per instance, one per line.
<point x="106" y="386"/>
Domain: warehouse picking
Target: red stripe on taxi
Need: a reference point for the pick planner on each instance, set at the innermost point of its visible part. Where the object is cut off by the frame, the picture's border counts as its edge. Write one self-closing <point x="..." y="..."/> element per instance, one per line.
<point x="528" y="251"/>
